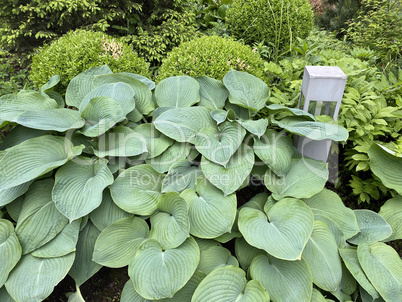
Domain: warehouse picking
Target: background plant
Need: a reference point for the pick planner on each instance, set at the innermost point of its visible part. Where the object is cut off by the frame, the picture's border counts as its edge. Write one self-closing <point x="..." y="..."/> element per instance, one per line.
<point x="276" y="22"/>
<point x="79" y="50"/>
<point x="148" y="168"/>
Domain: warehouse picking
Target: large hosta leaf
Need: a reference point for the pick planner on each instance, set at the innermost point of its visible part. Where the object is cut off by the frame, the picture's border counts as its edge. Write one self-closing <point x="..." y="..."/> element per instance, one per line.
<point x="321" y="255"/>
<point x="229" y="283"/>
<point x="372" y="227"/>
<point x="187" y="291"/>
<point x="159" y="274"/>
<point x="213" y="93"/>
<point x="20" y="134"/>
<point x="170" y="225"/>
<point x="349" y="257"/>
<point x="182" y="175"/>
<point x="5" y="296"/>
<point x="386" y="166"/>
<point x="218" y="144"/>
<point x="285" y="281"/>
<point x="107" y="213"/>
<point x="130" y="295"/>
<point x="33" y="279"/>
<point x="214" y="257"/>
<point x="329" y="205"/>
<point x="118" y="243"/>
<point x="305" y="178"/>
<point x="256" y="127"/>
<point x="137" y="190"/>
<point x="275" y="150"/>
<point x="81" y="85"/>
<point x="392" y="213"/>
<point x="383" y="267"/>
<point x="277" y="108"/>
<point x="79" y="185"/>
<point x="10" y="194"/>
<point x="180" y="91"/>
<point x="33" y="158"/>
<point x="101" y="114"/>
<point x="230" y="178"/>
<point x="10" y="249"/>
<point x="39" y="220"/>
<point x="245" y="253"/>
<point x="289" y="224"/>
<point x="313" y="130"/>
<point x="64" y="243"/>
<point x="172" y="155"/>
<point x="142" y="93"/>
<point x="84" y="267"/>
<point x="211" y="213"/>
<point x="246" y="90"/>
<point x="121" y="142"/>
<point x="182" y="124"/>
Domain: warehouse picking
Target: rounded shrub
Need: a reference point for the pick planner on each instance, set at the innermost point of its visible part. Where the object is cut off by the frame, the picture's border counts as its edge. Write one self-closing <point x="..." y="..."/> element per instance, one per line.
<point x="273" y="21"/>
<point x="79" y="50"/>
<point x="212" y="56"/>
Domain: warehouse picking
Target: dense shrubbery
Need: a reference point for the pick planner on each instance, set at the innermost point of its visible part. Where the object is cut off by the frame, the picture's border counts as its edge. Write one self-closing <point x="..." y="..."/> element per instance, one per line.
<point x="212" y="56"/>
<point x="276" y="22"/>
<point x="79" y="50"/>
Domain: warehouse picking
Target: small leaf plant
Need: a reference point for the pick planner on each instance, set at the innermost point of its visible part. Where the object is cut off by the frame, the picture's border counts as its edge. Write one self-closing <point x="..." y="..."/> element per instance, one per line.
<point x="125" y="173"/>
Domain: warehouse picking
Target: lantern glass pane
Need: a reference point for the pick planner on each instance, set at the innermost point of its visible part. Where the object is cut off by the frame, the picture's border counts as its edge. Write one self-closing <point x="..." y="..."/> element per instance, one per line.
<point x="322" y="108"/>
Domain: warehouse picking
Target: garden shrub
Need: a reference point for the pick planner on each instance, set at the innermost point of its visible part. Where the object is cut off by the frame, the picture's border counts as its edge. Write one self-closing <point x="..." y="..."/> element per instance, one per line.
<point x="162" y="195"/>
<point x="378" y="25"/>
<point x="212" y="56"/>
<point x="79" y="50"/>
<point x="276" y="22"/>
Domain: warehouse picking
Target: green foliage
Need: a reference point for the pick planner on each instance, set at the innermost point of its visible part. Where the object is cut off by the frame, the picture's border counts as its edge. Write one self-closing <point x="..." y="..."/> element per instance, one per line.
<point x="79" y="50"/>
<point x="212" y="56"/>
<point x="210" y="16"/>
<point x="148" y="178"/>
<point x="370" y="111"/>
<point x="378" y="26"/>
<point x="12" y="79"/>
<point x="276" y="22"/>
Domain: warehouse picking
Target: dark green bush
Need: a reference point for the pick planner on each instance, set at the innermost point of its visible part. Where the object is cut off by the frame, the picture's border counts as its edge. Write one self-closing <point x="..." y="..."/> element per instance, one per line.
<point x="80" y="50"/>
<point x="277" y="22"/>
<point x="212" y="56"/>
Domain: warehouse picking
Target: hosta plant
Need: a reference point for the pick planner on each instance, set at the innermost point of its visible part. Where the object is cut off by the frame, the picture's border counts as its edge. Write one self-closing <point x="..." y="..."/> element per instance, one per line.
<point x="123" y="173"/>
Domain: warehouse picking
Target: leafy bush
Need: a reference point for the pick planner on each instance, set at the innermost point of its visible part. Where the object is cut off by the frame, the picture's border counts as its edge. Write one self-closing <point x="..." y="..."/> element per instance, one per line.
<point x="79" y="50"/>
<point x="152" y="180"/>
<point x="212" y="56"/>
<point x="371" y="106"/>
<point x="211" y="15"/>
<point x="276" y="22"/>
<point x="378" y="26"/>
<point x="11" y="79"/>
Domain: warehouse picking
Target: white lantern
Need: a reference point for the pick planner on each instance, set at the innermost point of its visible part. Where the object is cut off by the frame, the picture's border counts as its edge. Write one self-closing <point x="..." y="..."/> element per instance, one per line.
<point x="321" y="94"/>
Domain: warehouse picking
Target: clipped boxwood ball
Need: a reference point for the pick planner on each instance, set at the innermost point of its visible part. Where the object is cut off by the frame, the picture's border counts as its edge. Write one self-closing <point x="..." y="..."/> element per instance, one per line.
<point x="274" y="21"/>
<point x="212" y="56"/>
<point x="79" y="50"/>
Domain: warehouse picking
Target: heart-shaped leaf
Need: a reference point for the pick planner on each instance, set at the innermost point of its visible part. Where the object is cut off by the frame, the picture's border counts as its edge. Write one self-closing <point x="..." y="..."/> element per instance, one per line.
<point x="231" y="177"/>
<point x="39" y="220"/>
<point x="33" y="158"/>
<point x="33" y="279"/>
<point x="137" y="190"/>
<point x="182" y="175"/>
<point x="372" y="227"/>
<point x="79" y="185"/>
<point x="229" y="283"/>
<point x="246" y="90"/>
<point x="220" y="115"/>
<point x="159" y="274"/>
<point x="286" y="281"/>
<point x="329" y="205"/>
<point x="386" y="166"/>
<point x="170" y="226"/>
<point x="275" y="150"/>
<point x="211" y="213"/>
<point x="305" y="178"/>
<point x="218" y="144"/>
<point x="179" y="91"/>
<point x="289" y="224"/>
<point x="321" y="255"/>
<point x="118" y="243"/>
<point x="213" y="93"/>
<point x="214" y="257"/>
<point x="10" y="249"/>
<point x="383" y="267"/>
<point x="256" y="127"/>
<point x="392" y="213"/>
<point x="182" y="124"/>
